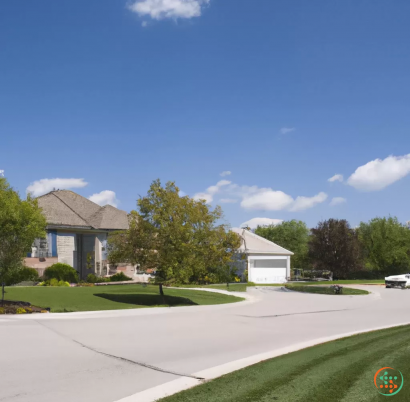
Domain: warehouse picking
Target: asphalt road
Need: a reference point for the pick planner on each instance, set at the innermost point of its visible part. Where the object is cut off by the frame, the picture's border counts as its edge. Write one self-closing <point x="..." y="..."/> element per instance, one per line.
<point x="108" y="356"/>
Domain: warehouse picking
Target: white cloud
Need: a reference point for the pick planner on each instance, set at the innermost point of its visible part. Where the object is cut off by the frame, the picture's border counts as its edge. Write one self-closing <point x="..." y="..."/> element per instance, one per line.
<point x="269" y="200"/>
<point x="266" y="199"/>
<point x="181" y="193"/>
<point x="256" y="198"/>
<point x="106" y="197"/>
<point x="44" y="186"/>
<point x="337" y="201"/>
<point x="286" y="130"/>
<point x="336" y="177"/>
<point x="225" y="173"/>
<point x="228" y="201"/>
<point x="255" y="222"/>
<point x="208" y="195"/>
<point x="162" y="9"/>
<point x="302" y="203"/>
<point x="204" y="196"/>
<point x="2" y="173"/>
<point x="378" y="174"/>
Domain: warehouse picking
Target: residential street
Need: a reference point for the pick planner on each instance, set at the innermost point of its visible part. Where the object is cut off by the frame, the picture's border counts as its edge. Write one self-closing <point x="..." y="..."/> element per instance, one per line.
<point x="102" y="357"/>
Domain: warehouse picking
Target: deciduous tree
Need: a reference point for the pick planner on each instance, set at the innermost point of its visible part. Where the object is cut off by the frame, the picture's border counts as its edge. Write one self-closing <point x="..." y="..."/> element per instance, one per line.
<point x="292" y="235"/>
<point x="335" y="246"/>
<point x="21" y="222"/>
<point x="177" y="236"/>
<point x="387" y="245"/>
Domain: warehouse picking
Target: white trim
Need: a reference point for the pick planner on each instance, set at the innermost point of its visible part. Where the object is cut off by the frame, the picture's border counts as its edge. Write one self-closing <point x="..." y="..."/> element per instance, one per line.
<point x="268" y="257"/>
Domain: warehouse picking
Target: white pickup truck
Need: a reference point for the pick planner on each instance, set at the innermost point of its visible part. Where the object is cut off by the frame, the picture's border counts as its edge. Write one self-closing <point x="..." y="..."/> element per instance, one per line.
<point x="399" y="281"/>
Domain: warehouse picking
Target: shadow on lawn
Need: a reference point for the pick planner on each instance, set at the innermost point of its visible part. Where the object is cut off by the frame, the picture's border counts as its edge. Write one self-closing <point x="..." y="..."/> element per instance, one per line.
<point x="146" y="299"/>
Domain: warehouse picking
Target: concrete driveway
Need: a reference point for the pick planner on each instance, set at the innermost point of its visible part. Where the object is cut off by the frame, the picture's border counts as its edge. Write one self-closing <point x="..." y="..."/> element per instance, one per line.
<point x="108" y="356"/>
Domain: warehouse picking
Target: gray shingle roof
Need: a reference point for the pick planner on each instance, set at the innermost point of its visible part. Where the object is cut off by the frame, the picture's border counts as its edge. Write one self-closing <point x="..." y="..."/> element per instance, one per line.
<point x="66" y="208"/>
<point x="254" y="244"/>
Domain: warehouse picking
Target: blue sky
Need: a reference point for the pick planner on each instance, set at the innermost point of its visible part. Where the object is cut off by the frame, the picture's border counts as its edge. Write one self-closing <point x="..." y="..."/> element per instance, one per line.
<point x="282" y="94"/>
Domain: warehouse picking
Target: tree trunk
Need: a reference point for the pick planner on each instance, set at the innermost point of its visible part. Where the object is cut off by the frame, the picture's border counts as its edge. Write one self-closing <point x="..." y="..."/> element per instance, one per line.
<point x="161" y="292"/>
<point x="2" y="294"/>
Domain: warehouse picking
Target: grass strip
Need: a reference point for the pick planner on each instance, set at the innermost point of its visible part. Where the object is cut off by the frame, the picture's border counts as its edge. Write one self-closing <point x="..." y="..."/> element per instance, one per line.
<point x="325" y="290"/>
<point x="341" y="370"/>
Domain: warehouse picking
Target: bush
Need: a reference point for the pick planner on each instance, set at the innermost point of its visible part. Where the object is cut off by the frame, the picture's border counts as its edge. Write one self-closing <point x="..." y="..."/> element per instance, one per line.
<point x="2" y="311"/>
<point x="120" y="277"/>
<point x="26" y="283"/>
<point x="52" y="282"/>
<point x="29" y="310"/>
<point x="20" y="310"/>
<point x="55" y="282"/>
<point x="21" y="275"/>
<point x="85" y="284"/>
<point x="91" y="278"/>
<point x="61" y="272"/>
<point x="28" y="274"/>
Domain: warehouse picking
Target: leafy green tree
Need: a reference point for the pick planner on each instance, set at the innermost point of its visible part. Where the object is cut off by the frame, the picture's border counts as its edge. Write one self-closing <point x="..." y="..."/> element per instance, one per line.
<point x="387" y="245"/>
<point x="177" y="236"/>
<point x="21" y="222"/>
<point x="292" y="235"/>
<point x="335" y="246"/>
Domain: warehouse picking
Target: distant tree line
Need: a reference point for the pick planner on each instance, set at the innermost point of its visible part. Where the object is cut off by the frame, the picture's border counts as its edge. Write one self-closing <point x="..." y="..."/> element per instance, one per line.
<point x="374" y="249"/>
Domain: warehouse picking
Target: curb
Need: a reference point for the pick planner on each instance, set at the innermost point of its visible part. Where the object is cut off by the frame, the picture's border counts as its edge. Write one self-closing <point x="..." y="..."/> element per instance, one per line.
<point x="183" y="383"/>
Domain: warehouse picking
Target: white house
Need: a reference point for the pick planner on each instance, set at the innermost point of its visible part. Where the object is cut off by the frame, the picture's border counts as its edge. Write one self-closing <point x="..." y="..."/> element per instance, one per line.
<point x="266" y="261"/>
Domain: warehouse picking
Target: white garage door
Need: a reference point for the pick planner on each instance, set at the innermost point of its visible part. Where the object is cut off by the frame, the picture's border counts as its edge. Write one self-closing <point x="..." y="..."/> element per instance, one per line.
<point x="269" y="271"/>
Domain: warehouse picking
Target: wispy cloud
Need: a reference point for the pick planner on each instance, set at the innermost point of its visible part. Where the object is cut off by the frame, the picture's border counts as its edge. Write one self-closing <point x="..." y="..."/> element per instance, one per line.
<point x="260" y="198"/>
<point x="106" y="197"/>
<point x="336" y="177"/>
<point x="44" y="186"/>
<point x="172" y="9"/>
<point x="208" y="195"/>
<point x="378" y="174"/>
<point x="286" y="130"/>
<point x="255" y="222"/>
<point x="225" y="173"/>
<point x="302" y="203"/>
<point x="337" y="201"/>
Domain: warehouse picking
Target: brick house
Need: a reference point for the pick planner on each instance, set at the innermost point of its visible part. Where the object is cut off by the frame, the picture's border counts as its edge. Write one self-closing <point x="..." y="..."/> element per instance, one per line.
<point x="77" y="231"/>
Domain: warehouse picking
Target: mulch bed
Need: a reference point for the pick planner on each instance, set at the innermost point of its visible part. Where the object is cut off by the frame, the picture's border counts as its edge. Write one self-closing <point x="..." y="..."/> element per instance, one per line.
<point x="19" y="307"/>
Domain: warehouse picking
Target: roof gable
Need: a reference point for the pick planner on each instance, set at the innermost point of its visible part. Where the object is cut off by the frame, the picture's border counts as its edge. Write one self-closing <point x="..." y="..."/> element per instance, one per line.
<point x="66" y="208"/>
<point x="109" y="217"/>
<point x="252" y="243"/>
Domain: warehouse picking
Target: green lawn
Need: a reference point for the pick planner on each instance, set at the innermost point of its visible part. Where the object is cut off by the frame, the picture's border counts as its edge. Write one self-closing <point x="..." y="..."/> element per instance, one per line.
<point x="341" y="370"/>
<point x="325" y="290"/>
<point x="112" y="297"/>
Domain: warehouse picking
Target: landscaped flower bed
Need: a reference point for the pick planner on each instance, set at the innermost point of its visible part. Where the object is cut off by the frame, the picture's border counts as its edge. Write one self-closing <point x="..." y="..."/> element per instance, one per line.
<point x="18" y="307"/>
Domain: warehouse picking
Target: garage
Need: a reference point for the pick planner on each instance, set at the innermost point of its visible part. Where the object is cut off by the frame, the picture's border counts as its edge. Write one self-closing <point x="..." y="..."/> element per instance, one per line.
<point x="267" y="262"/>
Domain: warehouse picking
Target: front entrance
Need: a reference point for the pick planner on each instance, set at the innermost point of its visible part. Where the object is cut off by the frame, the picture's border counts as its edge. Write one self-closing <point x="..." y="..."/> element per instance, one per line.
<point x="86" y="255"/>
